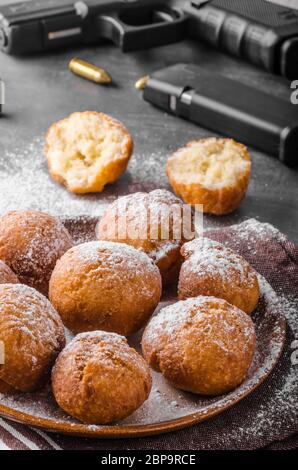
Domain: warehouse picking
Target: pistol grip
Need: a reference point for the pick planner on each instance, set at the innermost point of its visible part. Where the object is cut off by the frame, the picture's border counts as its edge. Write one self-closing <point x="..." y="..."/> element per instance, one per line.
<point x="166" y="27"/>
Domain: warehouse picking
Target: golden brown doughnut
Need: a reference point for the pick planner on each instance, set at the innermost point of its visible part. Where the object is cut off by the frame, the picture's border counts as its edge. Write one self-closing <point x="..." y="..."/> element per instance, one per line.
<point x="152" y="222"/>
<point x="211" y="172"/>
<point x="99" y="379"/>
<point x="33" y="335"/>
<point x="202" y="345"/>
<point x="211" y="268"/>
<point x="105" y="286"/>
<point x="7" y="276"/>
<point x="87" y="150"/>
<point x="30" y="244"/>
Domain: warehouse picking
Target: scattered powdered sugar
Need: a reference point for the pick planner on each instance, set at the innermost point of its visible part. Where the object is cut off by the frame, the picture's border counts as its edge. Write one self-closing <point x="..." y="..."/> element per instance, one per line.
<point x="251" y="231"/>
<point x="147" y="172"/>
<point x="27" y="184"/>
<point x="263" y="418"/>
<point x="165" y="403"/>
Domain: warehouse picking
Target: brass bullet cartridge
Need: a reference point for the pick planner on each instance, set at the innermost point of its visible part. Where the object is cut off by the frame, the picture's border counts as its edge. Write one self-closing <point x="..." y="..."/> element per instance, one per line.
<point x="142" y="82"/>
<point x="89" y="71"/>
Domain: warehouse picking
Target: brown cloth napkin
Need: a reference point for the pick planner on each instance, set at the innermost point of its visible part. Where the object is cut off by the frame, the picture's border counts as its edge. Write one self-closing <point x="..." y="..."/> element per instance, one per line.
<point x="267" y="418"/>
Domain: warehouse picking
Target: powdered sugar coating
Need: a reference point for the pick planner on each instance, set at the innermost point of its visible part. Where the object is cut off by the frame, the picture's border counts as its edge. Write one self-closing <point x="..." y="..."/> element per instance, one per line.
<point x="99" y="378"/>
<point x="30" y="243"/>
<point x="146" y="213"/>
<point x="156" y="222"/>
<point x="187" y="312"/>
<point x="105" y="341"/>
<point x="119" y="261"/>
<point x="208" y="256"/>
<point x="203" y="345"/>
<point x="32" y="333"/>
<point x="211" y="268"/>
<point x="271" y="413"/>
<point x="103" y="285"/>
<point x="117" y="253"/>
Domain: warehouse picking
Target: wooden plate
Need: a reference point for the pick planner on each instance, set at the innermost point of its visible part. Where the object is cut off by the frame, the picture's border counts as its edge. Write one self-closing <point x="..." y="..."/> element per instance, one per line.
<point x="166" y="409"/>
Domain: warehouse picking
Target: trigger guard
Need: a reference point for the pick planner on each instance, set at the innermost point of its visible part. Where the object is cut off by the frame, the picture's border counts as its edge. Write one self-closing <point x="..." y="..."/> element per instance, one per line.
<point x="111" y="28"/>
<point x="131" y="37"/>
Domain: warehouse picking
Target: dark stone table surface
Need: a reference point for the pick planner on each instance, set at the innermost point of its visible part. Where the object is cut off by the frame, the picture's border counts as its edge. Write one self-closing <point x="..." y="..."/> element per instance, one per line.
<point x="41" y="90"/>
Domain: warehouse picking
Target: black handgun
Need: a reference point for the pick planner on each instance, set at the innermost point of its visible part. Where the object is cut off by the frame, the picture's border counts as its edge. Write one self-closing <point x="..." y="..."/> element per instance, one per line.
<point x="263" y="33"/>
<point x="36" y="25"/>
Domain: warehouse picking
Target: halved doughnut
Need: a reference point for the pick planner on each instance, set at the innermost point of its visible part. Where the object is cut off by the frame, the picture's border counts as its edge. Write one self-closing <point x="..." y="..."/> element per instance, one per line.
<point x="211" y="172"/>
<point x="87" y="150"/>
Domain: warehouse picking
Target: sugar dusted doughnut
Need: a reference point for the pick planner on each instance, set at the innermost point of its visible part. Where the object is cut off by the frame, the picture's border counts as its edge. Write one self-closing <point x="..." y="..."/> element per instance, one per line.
<point x="105" y="286"/>
<point x="152" y="222"/>
<point x="7" y="276"/>
<point x="87" y="150"/>
<point x="211" y="268"/>
<point x="202" y="345"/>
<point x="30" y="244"/>
<point x="211" y="172"/>
<point x="99" y="379"/>
<point x="32" y="334"/>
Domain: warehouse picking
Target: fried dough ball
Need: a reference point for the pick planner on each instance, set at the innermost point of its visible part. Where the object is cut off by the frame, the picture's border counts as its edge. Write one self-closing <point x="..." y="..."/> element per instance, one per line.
<point x="32" y="335"/>
<point x="7" y="276"/>
<point x="213" y="269"/>
<point x="105" y="286"/>
<point x="153" y="222"/>
<point x="87" y="150"/>
<point x="202" y="345"/>
<point x="98" y="378"/>
<point x="213" y="173"/>
<point x="5" y="388"/>
<point x="30" y="244"/>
